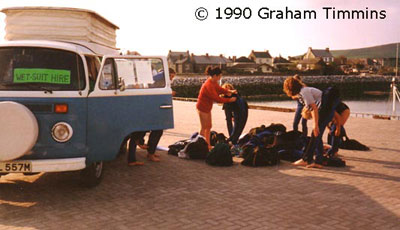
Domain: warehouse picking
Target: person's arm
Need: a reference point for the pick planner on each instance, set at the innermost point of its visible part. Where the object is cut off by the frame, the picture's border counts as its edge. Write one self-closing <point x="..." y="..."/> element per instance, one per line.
<point x="213" y="93"/>
<point x="338" y="123"/>
<point x="315" y="118"/>
<point x="304" y="126"/>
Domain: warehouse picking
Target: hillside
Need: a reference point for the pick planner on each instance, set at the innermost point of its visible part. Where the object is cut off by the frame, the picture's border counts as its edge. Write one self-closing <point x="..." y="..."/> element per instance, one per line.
<point x="382" y="51"/>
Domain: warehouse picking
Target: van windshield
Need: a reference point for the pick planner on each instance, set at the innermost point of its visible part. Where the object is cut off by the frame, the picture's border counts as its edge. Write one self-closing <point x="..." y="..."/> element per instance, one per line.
<point x="34" y="68"/>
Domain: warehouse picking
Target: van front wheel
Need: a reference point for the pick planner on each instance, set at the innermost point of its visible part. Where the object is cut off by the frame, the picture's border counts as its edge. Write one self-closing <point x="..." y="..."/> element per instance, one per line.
<point x="92" y="174"/>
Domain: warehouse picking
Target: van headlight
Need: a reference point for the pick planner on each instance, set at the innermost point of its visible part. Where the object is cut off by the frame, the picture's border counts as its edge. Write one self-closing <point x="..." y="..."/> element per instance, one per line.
<point x="61" y="132"/>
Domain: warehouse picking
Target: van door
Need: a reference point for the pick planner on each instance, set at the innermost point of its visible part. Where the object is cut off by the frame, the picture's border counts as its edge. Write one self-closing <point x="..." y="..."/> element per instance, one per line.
<point x="131" y="94"/>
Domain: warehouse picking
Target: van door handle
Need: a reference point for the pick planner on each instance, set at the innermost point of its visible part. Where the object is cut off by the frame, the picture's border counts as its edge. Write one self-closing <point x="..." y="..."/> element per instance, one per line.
<point x="165" y="106"/>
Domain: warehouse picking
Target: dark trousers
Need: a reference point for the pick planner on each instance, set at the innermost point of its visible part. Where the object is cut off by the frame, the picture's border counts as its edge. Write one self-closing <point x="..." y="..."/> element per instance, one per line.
<point x="297" y="118"/>
<point x="154" y="138"/>
<point x="325" y="114"/>
<point x="138" y="137"/>
<point x="235" y="129"/>
<point x="134" y="138"/>
<point x="335" y="141"/>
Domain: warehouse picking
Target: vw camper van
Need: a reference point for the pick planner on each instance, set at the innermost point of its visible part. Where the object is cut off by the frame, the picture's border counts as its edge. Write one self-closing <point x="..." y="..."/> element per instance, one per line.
<point x="67" y="98"/>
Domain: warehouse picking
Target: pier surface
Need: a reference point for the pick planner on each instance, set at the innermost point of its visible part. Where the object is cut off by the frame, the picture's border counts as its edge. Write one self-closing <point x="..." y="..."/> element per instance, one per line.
<point x="188" y="194"/>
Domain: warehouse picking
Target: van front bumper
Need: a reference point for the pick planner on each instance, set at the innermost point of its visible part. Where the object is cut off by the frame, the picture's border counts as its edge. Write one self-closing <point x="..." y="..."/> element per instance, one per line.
<point x="59" y="165"/>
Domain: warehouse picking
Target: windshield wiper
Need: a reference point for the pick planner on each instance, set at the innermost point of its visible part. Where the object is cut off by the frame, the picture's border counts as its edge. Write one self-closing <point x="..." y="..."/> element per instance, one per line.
<point x="46" y="90"/>
<point x="28" y="85"/>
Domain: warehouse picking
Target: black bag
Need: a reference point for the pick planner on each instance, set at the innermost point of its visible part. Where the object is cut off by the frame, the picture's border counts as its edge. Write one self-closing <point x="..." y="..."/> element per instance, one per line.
<point x="217" y="138"/>
<point x="197" y="148"/>
<point x="220" y="155"/>
<point x="213" y="138"/>
<point x="333" y="161"/>
<point x="177" y="146"/>
<point x="276" y="128"/>
<point x="291" y="155"/>
<point x="259" y="156"/>
<point x="253" y="132"/>
<point x="273" y="128"/>
<point x="290" y="140"/>
<point x="352" y="144"/>
<point x="291" y="145"/>
<point x="256" y="130"/>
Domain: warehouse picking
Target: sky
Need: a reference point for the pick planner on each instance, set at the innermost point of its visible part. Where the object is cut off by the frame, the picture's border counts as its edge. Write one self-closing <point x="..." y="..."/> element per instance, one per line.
<point x="153" y="27"/>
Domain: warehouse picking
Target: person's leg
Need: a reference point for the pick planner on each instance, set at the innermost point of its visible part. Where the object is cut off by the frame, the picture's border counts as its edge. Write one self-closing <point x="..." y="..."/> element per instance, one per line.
<point x="243" y="120"/>
<point x="325" y="117"/>
<point x="304" y="127"/>
<point x="297" y="116"/>
<point x="308" y="153"/>
<point x="205" y="126"/>
<point x="236" y="126"/>
<point x="154" y="138"/>
<point x="139" y="139"/>
<point x="318" y="147"/>
<point x="228" y="116"/>
<point x="124" y="145"/>
<point x="132" y="153"/>
<point x="344" y="116"/>
<point x="334" y="140"/>
<point x="240" y="119"/>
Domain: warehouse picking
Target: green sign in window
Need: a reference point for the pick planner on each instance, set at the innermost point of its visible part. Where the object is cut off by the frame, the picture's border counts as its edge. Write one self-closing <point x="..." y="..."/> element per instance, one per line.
<point x="53" y="76"/>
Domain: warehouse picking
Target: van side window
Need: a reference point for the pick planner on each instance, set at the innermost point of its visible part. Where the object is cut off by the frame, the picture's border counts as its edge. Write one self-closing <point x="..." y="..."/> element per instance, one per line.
<point x="107" y="77"/>
<point x="143" y="73"/>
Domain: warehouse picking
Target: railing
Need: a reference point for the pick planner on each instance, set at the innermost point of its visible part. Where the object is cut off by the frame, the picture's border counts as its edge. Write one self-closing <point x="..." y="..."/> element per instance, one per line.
<point x="376" y="116"/>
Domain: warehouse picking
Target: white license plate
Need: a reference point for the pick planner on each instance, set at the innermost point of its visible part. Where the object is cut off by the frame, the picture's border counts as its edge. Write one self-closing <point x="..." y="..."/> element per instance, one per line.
<point x="16" y="166"/>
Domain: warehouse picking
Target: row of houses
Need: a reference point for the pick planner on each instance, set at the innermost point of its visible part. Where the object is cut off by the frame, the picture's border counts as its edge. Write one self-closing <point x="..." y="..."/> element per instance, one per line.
<point x="261" y="62"/>
<point x="256" y="61"/>
<point x="184" y="62"/>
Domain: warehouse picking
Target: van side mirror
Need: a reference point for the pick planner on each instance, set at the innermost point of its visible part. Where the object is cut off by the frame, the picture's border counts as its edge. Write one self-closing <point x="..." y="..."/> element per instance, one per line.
<point x="121" y="84"/>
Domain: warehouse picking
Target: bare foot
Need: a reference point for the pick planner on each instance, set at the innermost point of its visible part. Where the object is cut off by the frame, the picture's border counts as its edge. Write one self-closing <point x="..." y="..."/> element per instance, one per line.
<point x="143" y="146"/>
<point x="300" y="162"/>
<point x="314" y="165"/>
<point x="135" y="163"/>
<point x="154" y="154"/>
<point x="337" y="155"/>
<point x="153" y="158"/>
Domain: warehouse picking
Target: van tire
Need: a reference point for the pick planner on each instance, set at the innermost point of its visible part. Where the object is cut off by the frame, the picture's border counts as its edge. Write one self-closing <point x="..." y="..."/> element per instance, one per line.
<point x="92" y="175"/>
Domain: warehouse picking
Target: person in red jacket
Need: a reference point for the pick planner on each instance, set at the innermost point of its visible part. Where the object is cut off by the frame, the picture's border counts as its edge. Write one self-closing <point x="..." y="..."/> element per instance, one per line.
<point x="209" y="93"/>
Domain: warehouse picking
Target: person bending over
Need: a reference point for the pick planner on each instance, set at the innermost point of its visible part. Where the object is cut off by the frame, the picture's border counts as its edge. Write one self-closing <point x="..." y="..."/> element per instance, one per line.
<point x="323" y="106"/>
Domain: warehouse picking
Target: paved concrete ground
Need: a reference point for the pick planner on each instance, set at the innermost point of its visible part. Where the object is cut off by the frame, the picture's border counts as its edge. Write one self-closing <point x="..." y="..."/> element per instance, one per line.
<point x="184" y="194"/>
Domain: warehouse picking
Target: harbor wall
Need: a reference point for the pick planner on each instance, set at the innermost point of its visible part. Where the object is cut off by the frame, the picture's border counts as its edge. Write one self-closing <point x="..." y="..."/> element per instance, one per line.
<point x="270" y="87"/>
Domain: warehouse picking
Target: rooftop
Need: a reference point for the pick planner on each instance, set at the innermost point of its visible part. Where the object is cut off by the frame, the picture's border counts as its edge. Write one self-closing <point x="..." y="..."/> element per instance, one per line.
<point x="261" y="54"/>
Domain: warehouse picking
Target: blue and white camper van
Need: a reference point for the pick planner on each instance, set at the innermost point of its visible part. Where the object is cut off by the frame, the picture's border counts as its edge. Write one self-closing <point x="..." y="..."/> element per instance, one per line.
<point x="66" y="106"/>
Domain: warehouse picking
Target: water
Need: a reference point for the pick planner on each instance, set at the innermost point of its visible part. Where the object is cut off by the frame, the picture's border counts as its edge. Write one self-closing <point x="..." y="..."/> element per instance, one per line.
<point x="379" y="107"/>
